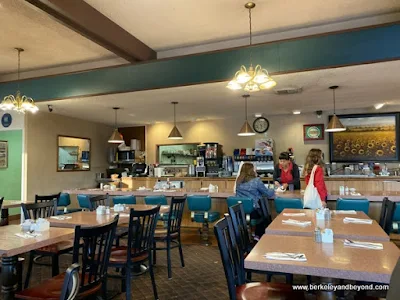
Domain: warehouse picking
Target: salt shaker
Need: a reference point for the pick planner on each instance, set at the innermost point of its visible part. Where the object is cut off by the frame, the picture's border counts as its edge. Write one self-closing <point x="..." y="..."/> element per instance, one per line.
<point x="341" y="190"/>
<point x="346" y="190"/>
<point x="107" y="210"/>
<point x="317" y="235"/>
<point x="327" y="214"/>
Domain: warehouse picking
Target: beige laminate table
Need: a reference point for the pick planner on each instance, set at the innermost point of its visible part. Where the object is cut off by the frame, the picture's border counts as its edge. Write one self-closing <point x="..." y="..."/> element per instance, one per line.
<point x="11" y="246"/>
<point x="91" y="219"/>
<point x="325" y="260"/>
<point x="341" y="230"/>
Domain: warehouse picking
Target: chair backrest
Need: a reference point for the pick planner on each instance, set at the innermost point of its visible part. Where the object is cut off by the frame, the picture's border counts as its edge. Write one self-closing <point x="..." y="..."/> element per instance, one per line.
<point x="282" y="203"/>
<point x="155" y="200"/>
<point x="247" y="203"/>
<point x="71" y="283"/>
<point x="387" y="213"/>
<point x="64" y="199"/>
<point x="231" y="255"/>
<point x="266" y="215"/>
<point x="39" y="210"/>
<point x="1" y="202"/>
<point x="46" y="198"/>
<point x="394" y="287"/>
<point x="240" y="228"/>
<point x="142" y="224"/>
<point x="94" y="254"/>
<point x="175" y="214"/>
<point x="96" y="201"/>
<point x="84" y="201"/>
<point x="353" y="204"/>
<point x="199" y="202"/>
<point x="124" y="199"/>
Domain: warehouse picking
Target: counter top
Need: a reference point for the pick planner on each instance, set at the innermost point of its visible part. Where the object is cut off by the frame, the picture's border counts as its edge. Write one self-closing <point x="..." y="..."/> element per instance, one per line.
<point x="327" y="178"/>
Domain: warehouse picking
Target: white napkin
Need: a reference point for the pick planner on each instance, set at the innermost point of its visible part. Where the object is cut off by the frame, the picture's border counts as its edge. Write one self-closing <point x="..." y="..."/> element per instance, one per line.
<point x="357" y="220"/>
<point x="280" y="190"/>
<point x="285" y="256"/>
<point x="355" y="194"/>
<point x="61" y="217"/>
<point x="27" y="235"/>
<point x="358" y="244"/>
<point x="345" y="212"/>
<point x="123" y="215"/>
<point x="294" y="214"/>
<point x="297" y="223"/>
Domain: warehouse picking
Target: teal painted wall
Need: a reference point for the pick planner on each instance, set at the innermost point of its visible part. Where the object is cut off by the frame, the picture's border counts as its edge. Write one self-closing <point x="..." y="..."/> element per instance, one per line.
<point x="11" y="177"/>
<point x="314" y="52"/>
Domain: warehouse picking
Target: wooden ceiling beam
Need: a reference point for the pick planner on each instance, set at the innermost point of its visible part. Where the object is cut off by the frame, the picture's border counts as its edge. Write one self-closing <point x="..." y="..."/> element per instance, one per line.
<point x="90" y="23"/>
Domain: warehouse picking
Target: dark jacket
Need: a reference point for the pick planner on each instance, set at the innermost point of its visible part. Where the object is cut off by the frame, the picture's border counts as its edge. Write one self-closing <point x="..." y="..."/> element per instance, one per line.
<point x="295" y="174"/>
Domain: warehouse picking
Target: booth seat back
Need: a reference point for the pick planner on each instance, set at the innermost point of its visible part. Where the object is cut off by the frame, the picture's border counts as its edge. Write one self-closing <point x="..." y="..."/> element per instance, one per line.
<point x="353" y="204"/>
<point x="282" y="203"/>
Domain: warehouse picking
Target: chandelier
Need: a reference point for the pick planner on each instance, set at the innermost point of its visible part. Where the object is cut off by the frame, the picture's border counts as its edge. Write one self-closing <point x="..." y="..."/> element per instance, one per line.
<point x="19" y="103"/>
<point x="253" y="79"/>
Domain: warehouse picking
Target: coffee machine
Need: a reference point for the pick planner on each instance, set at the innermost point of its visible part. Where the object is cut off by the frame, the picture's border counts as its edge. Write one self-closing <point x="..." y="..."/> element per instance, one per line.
<point x="200" y="167"/>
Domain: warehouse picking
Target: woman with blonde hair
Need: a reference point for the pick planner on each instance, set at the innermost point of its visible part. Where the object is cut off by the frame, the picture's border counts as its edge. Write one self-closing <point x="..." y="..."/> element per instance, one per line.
<point x="314" y="158"/>
<point x="248" y="185"/>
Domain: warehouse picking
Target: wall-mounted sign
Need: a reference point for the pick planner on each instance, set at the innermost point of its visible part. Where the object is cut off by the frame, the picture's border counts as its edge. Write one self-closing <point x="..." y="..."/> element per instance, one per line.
<point x="313" y="132"/>
<point x="6" y="120"/>
<point x="3" y="154"/>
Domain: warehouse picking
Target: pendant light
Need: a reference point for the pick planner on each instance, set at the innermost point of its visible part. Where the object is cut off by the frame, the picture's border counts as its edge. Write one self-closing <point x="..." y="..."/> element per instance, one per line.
<point x="334" y="124"/>
<point x="175" y="134"/>
<point x="116" y="137"/>
<point x="253" y="79"/>
<point x="19" y="103"/>
<point x="246" y="128"/>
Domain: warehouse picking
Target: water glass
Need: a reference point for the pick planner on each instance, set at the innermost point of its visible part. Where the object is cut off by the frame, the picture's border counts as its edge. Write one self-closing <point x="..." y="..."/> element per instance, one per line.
<point x="291" y="187"/>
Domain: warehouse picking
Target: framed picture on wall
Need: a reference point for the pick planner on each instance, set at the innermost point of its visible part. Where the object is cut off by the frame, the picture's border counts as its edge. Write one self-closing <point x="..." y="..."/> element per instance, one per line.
<point x="3" y="154"/>
<point x="313" y="132"/>
<point x="368" y="137"/>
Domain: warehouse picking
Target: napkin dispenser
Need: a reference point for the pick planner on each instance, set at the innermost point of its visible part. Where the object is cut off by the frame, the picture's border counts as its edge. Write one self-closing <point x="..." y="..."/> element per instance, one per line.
<point x="327" y="236"/>
<point x="101" y="210"/>
<point x="27" y="225"/>
<point x="119" y="207"/>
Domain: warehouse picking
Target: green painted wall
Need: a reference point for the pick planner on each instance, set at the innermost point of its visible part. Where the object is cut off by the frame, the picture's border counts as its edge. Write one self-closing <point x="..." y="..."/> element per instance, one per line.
<point x="11" y="177"/>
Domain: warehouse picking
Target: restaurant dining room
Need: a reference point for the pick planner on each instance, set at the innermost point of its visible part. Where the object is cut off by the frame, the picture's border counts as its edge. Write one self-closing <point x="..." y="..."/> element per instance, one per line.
<point x="199" y="149"/>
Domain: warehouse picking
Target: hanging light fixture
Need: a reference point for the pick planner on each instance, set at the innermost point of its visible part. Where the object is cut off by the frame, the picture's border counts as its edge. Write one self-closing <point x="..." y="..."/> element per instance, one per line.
<point x="175" y="134"/>
<point x="246" y="128"/>
<point x="116" y="137"/>
<point x="19" y="103"/>
<point x="334" y="124"/>
<point x="253" y="79"/>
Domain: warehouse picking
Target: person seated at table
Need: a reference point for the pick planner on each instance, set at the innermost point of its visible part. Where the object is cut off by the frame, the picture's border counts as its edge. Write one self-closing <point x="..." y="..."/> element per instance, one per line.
<point x="248" y="185"/>
<point x="286" y="172"/>
<point x="315" y="158"/>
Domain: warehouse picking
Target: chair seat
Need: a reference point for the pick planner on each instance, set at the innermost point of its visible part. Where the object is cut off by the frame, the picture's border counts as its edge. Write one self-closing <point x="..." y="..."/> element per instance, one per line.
<point x="212" y="216"/>
<point x="57" y="248"/>
<point x="119" y="255"/>
<point x="161" y="234"/>
<point x="265" y="291"/>
<point x="50" y="289"/>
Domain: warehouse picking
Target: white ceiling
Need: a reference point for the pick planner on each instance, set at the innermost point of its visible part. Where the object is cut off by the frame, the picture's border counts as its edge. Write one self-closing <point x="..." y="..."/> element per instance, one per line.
<point x="163" y="24"/>
<point x="359" y="87"/>
<point x="46" y="42"/>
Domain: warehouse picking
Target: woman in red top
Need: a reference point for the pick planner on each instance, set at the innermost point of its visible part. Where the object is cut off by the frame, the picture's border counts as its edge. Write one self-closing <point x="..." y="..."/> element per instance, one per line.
<point x="314" y="157"/>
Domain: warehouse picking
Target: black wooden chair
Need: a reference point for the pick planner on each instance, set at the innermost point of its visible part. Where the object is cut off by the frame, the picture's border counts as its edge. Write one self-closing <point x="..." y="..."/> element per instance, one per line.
<point x="46" y="198"/>
<point x="387" y="213"/>
<point x="171" y="236"/>
<point x="45" y="210"/>
<point x="142" y="225"/>
<point x="96" y="201"/>
<point x="70" y="287"/>
<point x="94" y="256"/>
<point x="233" y="262"/>
<point x="266" y="214"/>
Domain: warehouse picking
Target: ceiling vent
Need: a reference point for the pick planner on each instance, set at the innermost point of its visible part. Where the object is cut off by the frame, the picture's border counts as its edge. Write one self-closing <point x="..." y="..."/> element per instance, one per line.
<point x="288" y="91"/>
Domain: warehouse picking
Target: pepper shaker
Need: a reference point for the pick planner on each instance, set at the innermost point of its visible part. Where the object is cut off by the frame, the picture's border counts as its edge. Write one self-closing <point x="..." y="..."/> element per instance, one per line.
<point x="317" y="235"/>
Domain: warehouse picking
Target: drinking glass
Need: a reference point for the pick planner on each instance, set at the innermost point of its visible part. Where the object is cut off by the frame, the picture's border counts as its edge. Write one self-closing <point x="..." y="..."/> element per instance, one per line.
<point x="291" y="187"/>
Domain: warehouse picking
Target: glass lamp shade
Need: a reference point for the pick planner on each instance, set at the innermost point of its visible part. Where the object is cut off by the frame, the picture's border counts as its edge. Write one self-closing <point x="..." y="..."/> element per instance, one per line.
<point x="234" y="85"/>
<point x="175" y="134"/>
<point x="116" y="137"/>
<point x="269" y="84"/>
<point x="246" y="130"/>
<point x="335" y="125"/>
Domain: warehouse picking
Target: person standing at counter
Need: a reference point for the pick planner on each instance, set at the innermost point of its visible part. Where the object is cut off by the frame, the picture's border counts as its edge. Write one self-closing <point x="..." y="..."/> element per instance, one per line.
<point x="248" y="185"/>
<point x="286" y="172"/>
<point x="314" y="157"/>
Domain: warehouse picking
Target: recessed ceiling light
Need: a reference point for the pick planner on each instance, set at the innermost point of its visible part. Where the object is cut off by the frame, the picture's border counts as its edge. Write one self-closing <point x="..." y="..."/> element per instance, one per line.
<point x="132" y="115"/>
<point x="296" y="112"/>
<point x="379" y="105"/>
<point x="257" y="115"/>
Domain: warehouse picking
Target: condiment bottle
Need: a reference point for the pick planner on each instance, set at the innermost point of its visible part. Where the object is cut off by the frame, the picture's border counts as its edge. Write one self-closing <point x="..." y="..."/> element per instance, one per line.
<point x="317" y="235"/>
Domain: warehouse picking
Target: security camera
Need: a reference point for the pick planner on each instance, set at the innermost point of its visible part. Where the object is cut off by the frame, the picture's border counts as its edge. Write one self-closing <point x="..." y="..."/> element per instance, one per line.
<point x="319" y="114"/>
<point x="50" y="107"/>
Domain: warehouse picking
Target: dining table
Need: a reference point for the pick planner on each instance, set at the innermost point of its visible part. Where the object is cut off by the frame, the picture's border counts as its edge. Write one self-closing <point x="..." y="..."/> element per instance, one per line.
<point x="341" y="230"/>
<point x="7" y="204"/>
<point x="14" y="242"/>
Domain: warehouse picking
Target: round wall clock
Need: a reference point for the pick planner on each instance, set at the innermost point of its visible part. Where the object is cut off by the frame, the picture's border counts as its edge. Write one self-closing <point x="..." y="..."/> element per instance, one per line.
<point x="260" y="125"/>
<point x="6" y="120"/>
